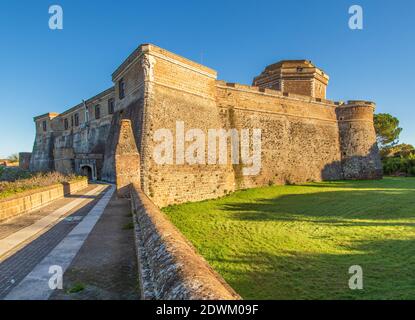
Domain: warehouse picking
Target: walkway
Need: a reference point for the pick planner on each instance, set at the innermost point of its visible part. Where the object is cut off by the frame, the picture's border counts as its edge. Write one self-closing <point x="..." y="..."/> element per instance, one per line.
<point x="88" y="235"/>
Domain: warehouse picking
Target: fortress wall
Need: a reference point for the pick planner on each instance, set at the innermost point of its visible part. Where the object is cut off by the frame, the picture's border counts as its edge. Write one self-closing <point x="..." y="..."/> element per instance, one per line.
<point x="82" y="144"/>
<point x="42" y="155"/>
<point x="299" y="136"/>
<point x="133" y="78"/>
<point x="298" y="86"/>
<point x="303" y="138"/>
<point x="176" y="183"/>
<point x="181" y="91"/>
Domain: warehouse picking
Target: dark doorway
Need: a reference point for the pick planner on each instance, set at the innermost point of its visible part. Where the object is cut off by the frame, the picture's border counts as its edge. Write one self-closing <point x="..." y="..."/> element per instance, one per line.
<point x="87" y="172"/>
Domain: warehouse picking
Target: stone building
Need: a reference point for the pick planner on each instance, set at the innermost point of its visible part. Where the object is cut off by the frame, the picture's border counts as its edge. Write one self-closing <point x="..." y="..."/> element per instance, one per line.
<point x="304" y="136"/>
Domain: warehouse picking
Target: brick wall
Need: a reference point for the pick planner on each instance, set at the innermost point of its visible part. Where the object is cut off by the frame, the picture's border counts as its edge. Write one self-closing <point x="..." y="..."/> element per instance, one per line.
<point x="35" y="199"/>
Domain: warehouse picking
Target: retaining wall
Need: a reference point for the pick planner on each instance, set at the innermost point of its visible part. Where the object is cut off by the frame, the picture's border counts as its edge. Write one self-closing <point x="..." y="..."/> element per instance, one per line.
<point x="35" y="199"/>
<point x="169" y="266"/>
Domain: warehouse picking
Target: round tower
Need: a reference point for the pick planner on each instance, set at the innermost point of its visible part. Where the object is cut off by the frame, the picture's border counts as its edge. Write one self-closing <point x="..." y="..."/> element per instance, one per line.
<point x="359" y="150"/>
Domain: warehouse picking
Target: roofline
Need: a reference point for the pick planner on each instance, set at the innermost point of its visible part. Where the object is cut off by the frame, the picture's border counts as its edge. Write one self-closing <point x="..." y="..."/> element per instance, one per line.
<point x="301" y="61"/>
<point x="48" y="115"/>
<point x="80" y="105"/>
<point x="149" y="48"/>
<point x="54" y="114"/>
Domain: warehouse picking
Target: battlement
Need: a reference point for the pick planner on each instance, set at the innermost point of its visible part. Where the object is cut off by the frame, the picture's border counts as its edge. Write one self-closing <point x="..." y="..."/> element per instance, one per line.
<point x="360" y="103"/>
<point x="356" y="110"/>
<point x="277" y="93"/>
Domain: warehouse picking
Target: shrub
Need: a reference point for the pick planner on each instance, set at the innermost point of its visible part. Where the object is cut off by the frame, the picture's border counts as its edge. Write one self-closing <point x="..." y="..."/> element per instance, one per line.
<point x="32" y="181"/>
<point x="11" y="174"/>
<point x="399" y="166"/>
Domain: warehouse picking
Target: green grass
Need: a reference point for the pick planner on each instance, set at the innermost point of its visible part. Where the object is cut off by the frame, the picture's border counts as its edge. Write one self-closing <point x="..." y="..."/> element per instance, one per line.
<point x="77" y="287"/>
<point x="298" y="242"/>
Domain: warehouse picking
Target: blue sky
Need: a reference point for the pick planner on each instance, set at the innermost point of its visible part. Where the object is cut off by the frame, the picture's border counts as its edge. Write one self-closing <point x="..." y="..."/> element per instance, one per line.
<point x="44" y="70"/>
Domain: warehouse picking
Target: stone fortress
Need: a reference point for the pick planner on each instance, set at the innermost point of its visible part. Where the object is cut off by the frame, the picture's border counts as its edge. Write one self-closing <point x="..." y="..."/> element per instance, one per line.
<point x="304" y="136"/>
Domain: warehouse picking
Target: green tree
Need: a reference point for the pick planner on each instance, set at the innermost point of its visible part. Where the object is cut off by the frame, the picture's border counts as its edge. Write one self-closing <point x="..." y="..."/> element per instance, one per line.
<point x="400" y="150"/>
<point x="387" y="130"/>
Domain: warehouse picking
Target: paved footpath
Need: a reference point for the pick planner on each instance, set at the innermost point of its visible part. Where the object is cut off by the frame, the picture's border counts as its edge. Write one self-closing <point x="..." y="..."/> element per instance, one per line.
<point x="87" y="235"/>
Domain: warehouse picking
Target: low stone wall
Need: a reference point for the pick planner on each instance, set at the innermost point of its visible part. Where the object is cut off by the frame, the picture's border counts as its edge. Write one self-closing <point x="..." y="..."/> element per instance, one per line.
<point x="37" y="198"/>
<point x="169" y="266"/>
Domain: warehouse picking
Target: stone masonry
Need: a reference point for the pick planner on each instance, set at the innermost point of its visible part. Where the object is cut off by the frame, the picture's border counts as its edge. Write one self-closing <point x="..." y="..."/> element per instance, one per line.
<point x="304" y="136"/>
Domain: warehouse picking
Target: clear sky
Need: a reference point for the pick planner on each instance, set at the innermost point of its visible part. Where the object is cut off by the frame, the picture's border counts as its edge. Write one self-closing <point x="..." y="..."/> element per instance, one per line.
<point x="43" y="70"/>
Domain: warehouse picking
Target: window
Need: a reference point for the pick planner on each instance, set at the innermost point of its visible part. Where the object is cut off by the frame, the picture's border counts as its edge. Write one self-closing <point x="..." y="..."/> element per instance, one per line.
<point x="121" y="88"/>
<point x="300" y="69"/>
<point x="111" y="106"/>
<point x="66" y="124"/>
<point x="76" y="119"/>
<point x="44" y="125"/>
<point x="97" y="112"/>
<point x="72" y="121"/>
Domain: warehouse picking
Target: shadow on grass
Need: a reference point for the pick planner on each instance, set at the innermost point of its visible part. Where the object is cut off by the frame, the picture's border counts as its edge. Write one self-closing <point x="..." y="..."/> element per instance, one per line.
<point x="388" y="264"/>
<point x="331" y="207"/>
<point x="387" y="183"/>
<point x="388" y="269"/>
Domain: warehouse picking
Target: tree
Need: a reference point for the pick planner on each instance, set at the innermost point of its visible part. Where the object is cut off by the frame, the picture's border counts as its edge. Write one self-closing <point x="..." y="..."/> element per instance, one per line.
<point x="13" y="158"/>
<point x="387" y="130"/>
<point x="402" y="150"/>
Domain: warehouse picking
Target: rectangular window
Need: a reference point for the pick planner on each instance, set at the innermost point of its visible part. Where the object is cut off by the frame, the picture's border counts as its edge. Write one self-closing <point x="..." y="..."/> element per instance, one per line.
<point x="76" y="119"/>
<point x="66" y="124"/>
<point x="111" y="106"/>
<point x="72" y="121"/>
<point x="44" y="125"/>
<point x="121" y="89"/>
<point x="97" y="112"/>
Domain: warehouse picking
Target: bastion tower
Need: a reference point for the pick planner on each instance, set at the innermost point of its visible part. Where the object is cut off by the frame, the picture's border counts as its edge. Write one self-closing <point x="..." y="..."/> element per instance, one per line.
<point x="359" y="150"/>
<point x="294" y="76"/>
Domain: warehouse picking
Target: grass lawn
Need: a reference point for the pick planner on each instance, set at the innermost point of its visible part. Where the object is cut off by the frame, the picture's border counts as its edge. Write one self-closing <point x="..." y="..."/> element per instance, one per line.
<point x="298" y="242"/>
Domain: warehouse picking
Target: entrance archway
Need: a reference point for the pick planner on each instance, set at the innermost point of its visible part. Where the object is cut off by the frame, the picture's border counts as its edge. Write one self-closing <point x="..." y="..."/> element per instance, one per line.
<point x="88" y="171"/>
